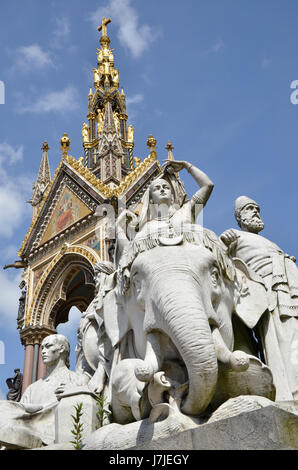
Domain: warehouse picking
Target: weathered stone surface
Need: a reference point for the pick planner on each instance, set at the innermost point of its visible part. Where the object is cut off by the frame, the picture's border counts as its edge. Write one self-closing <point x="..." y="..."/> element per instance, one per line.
<point x="21" y="437"/>
<point x="249" y="423"/>
<point x="141" y="434"/>
<point x="242" y="423"/>
<point x="65" y="410"/>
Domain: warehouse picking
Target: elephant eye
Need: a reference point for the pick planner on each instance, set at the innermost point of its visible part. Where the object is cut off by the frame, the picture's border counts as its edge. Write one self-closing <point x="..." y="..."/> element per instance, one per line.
<point x="215" y="275"/>
<point x="136" y="282"/>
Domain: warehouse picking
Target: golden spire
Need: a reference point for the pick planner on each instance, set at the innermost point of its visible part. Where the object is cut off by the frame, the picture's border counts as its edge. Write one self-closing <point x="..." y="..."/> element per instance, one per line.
<point x="105" y="75"/>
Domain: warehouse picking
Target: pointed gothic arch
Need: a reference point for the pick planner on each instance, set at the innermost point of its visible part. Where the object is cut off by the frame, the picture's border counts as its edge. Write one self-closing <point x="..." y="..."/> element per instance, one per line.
<point x="67" y="282"/>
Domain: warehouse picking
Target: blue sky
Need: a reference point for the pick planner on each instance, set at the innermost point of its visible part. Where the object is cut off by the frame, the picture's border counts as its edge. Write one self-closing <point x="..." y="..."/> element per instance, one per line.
<point x="213" y="77"/>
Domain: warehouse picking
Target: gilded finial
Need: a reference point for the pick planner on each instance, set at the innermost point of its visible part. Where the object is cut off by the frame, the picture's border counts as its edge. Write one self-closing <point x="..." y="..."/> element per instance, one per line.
<point x="103" y="26"/>
<point x="151" y="144"/>
<point x="45" y="146"/>
<point x="170" y="149"/>
<point x="65" y="145"/>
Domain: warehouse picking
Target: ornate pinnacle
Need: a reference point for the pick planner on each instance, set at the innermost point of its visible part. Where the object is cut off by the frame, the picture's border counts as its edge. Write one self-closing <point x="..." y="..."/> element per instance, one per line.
<point x="170" y="149"/>
<point x="151" y="144"/>
<point x="104" y="40"/>
<point x="65" y="145"/>
<point x="45" y="146"/>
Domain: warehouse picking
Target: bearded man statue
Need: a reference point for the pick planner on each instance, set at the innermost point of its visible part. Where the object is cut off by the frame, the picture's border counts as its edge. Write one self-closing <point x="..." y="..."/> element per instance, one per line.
<point x="278" y="326"/>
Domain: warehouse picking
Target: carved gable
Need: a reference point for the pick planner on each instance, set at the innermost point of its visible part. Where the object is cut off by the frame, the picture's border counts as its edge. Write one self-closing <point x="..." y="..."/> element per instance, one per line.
<point x="70" y="199"/>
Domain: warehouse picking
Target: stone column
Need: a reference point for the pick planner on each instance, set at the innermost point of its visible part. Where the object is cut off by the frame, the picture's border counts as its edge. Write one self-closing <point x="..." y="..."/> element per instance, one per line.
<point x="41" y="367"/>
<point x="123" y="119"/>
<point x="91" y="118"/>
<point x="35" y="362"/>
<point x="28" y="366"/>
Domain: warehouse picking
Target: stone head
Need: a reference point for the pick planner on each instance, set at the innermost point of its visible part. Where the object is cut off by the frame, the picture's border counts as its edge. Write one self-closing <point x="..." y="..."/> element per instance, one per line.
<point x="247" y="214"/>
<point x="160" y="192"/>
<point x="55" y="348"/>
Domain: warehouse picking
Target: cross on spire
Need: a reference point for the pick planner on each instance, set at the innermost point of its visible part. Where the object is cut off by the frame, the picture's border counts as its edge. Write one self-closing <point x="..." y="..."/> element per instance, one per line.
<point x="103" y="26"/>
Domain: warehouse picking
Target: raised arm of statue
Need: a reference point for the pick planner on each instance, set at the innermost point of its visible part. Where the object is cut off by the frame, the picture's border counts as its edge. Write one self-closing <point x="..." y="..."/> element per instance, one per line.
<point x="203" y="181"/>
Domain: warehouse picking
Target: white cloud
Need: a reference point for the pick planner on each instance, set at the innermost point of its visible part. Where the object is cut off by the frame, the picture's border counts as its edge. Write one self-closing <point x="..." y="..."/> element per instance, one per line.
<point x="13" y="190"/>
<point x="32" y="57"/>
<point x="53" y="101"/>
<point x="9" y="154"/>
<point x="62" y="29"/>
<point x="9" y="252"/>
<point x="11" y="209"/>
<point x="136" y="99"/>
<point x="61" y="33"/>
<point x="132" y="103"/>
<point x="134" y="36"/>
<point x="2" y="395"/>
<point x="10" y="294"/>
<point x="216" y="47"/>
<point x="265" y="63"/>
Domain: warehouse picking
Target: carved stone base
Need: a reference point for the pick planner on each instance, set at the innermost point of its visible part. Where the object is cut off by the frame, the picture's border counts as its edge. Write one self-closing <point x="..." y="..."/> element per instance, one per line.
<point x="242" y="423"/>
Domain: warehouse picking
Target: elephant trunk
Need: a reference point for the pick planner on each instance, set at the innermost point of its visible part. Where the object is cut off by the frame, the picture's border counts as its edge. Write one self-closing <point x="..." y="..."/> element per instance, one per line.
<point x="179" y="312"/>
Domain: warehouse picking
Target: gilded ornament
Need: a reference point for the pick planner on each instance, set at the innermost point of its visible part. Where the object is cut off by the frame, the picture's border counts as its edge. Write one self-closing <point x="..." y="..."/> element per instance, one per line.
<point x="100" y="120"/>
<point x="130" y="134"/>
<point x="103" y="26"/>
<point x="96" y="78"/>
<point x="85" y="132"/>
<point x="115" y="76"/>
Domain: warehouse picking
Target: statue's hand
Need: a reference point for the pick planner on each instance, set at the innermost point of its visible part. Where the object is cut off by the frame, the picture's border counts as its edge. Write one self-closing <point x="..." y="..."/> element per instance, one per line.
<point x="32" y="408"/>
<point x="60" y="390"/>
<point x="228" y="237"/>
<point x="126" y="217"/>
<point x="175" y="165"/>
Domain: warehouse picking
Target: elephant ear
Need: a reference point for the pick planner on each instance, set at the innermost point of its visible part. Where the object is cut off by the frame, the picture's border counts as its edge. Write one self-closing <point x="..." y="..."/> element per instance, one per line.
<point x="251" y="301"/>
<point x="115" y="318"/>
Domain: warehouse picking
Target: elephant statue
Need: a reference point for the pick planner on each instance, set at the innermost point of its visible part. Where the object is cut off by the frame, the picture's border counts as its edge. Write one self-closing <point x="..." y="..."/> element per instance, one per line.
<point x="172" y="310"/>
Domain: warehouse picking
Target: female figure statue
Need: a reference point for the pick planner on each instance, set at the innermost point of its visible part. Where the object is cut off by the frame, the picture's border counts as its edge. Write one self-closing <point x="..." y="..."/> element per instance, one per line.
<point x="165" y="209"/>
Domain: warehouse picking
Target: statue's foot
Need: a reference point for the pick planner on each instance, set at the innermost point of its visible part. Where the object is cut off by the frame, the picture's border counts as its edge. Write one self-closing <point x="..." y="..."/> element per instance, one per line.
<point x="239" y="361"/>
